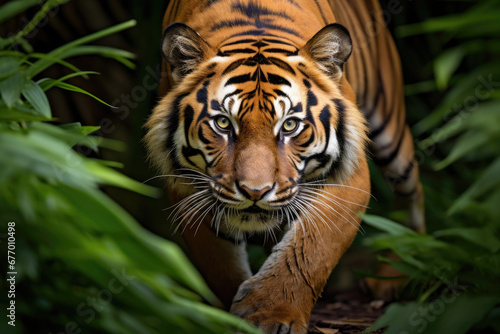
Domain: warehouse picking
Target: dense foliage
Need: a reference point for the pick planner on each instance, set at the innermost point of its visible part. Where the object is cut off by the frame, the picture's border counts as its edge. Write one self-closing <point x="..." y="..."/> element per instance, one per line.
<point x="82" y="263"/>
<point x="453" y="102"/>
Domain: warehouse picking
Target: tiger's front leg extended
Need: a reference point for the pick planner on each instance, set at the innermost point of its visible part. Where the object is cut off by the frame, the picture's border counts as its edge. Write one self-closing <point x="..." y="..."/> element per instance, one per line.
<point x="280" y="297"/>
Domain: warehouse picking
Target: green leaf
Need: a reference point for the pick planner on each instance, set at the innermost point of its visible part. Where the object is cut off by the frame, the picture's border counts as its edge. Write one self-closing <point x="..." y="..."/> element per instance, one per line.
<point x="485" y="13"/>
<point x="489" y="180"/>
<point x="119" y="55"/>
<point x="387" y="226"/>
<point x="468" y="143"/>
<point x="458" y="98"/>
<point x="84" y="130"/>
<point x="72" y="88"/>
<point x="483" y="237"/>
<point x="111" y="177"/>
<point x="46" y="83"/>
<point x="446" y="314"/>
<point x="485" y="115"/>
<point x="446" y="64"/>
<point x="13" y="8"/>
<point x="20" y="113"/>
<point x="11" y="88"/>
<point x="37" y="98"/>
<point x="8" y="66"/>
<point x="51" y="61"/>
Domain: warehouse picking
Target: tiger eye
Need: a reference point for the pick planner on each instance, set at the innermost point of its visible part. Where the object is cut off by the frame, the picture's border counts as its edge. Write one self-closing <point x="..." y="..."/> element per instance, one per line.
<point x="223" y="122"/>
<point x="290" y="125"/>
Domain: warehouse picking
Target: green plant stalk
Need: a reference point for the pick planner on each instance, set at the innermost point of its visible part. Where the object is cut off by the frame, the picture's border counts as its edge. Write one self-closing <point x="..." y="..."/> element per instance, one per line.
<point x="39" y="16"/>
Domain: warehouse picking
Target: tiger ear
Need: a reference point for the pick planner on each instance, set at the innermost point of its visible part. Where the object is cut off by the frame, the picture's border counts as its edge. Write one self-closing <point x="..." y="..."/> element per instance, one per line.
<point x="183" y="49"/>
<point x="330" y="48"/>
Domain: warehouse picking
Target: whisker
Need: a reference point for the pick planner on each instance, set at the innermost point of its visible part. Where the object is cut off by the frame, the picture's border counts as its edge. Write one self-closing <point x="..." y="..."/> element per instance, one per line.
<point x="327" y="206"/>
<point x="305" y="209"/>
<point x="336" y="185"/>
<point x="352" y="214"/>
<point x="315" y="191"/>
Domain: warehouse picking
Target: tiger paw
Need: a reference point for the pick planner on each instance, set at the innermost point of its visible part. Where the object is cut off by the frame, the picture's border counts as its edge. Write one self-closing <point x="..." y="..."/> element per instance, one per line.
<point x="268" y="310"/>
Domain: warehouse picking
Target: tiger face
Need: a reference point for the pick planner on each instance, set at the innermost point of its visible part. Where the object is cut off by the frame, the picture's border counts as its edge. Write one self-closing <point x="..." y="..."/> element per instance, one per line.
<point x="248" y="124"/>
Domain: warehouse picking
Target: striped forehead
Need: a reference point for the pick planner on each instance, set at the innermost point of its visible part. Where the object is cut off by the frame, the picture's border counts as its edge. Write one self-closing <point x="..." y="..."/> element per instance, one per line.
<point x="256" y="75"/>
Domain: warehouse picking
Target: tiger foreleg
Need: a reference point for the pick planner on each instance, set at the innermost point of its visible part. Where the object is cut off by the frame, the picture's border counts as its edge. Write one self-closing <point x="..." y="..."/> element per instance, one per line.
<point x="280" y="297"/>
<point x="222" y="263"/>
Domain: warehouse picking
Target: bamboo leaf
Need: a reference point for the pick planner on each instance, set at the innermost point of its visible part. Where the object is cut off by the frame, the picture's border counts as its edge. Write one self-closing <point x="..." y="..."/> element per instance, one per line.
<point x="8" y="66"/>
<point x="387" y="226"/>
<point x="47" y="84"/>
<point x="446" y="64"/>
<point x="37" y="98"/>
<point x="73" y="88"/>
<point x="11" y="88"/>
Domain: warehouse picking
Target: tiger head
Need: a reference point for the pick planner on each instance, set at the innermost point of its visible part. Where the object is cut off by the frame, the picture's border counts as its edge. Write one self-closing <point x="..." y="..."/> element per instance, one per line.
<point x="248" y="123"/>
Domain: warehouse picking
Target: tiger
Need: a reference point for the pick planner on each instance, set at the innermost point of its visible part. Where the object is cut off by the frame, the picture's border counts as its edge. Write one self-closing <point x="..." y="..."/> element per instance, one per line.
<point x="268" y="114"/>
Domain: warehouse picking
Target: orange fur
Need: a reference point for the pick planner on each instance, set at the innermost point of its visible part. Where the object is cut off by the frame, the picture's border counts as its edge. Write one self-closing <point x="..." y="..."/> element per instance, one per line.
<point x="238" y="70"/>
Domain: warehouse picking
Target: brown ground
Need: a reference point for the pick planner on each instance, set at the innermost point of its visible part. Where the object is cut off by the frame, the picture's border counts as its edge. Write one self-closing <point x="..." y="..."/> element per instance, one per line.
<point x="346" y="313"/>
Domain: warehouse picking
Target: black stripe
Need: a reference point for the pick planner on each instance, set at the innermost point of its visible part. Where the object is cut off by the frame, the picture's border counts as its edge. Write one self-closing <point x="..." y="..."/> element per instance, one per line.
<point x="254" y="11"/>
<point x="279" y="92"/>
<point x="238" y="79"/>
<point x="340" y="133"/>
<point x="202" y="97"/>
<point x="176" y="10"/>
<point x="188" y="119"/>
<point x="325" y="21"/>
<point x="172" y="125"/>
<point x="188" y="152"/>
<point x="281" y="64"/>
<point x="375" y="132"/>
<point x="295" y="109"/>
<point x="242" y="41"/>
<point x="311" y="139"/>
<point x="294" y="3"/>
<point x="277" y="80"/>
<point x="230" y="24"/>
<point x="231" y="52"/>
<point x="323" y="158"/>
<point x="340" y="128"/>
<point x="209" y="3"/>
<point x="384" y="161"/>
<point x="312" y="100"/>
<point x="253" y="32"/>
<point x="286" y="52"/>
<point x="403" y="177"/>
<point x="264" y="25"/>
<point x="202" y="136"/>
<point x="276" y="41"/>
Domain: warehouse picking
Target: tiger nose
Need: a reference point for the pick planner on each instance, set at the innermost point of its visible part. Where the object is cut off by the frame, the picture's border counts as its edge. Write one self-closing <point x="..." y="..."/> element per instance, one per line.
<point x="254" y="194"/>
